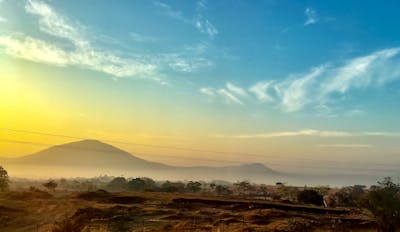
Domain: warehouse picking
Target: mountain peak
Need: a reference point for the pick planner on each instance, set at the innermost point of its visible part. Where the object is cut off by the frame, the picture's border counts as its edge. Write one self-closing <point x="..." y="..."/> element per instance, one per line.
<point x="89" y="144"/>
<point x="85" y="142"/>
<point x="253" y="168"/>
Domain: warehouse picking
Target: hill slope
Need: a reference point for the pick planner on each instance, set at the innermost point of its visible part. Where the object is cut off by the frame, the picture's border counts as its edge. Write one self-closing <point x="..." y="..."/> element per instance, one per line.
<point x="87" y="153"/>
<point x="92" y="157"/>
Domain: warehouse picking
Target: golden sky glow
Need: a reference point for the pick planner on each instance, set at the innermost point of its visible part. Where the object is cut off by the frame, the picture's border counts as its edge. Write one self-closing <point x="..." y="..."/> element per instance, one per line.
<point x="66" y="72"/>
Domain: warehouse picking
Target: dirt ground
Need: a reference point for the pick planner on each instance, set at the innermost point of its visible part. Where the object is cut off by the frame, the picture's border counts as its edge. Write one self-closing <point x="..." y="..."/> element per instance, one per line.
<point x="36" y="210"/>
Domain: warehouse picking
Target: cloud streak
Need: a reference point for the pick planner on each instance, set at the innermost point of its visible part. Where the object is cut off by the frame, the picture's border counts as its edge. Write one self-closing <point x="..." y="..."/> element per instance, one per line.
<point x="34" y="50"/>
<point x="80" y="52"/>
<point x="261" y="91"/>
<point x="326" y="84"/>
<point x="236" y="89"/>
<point x="200" y="22"/>
<point x="311" y="133"/>
<point x="348" y="145"/>
<point x="72" y="45"/>
<point x="229" y="97"/>
<point x="230" y="94"/>
<point x="142" y="38"/>
<point x="311" y="16"/>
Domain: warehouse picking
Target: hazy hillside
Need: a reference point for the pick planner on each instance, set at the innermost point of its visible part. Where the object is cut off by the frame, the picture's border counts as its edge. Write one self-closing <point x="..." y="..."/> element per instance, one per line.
<point x="92" y="157"/>
<point x="87" y="153"/>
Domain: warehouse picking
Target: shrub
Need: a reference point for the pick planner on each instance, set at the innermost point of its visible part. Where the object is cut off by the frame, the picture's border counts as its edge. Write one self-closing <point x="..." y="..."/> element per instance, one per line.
<point x="117" y="184"/>
<point x="351" y="196"/>
<point x="223" y="190"/>
<point x="384" y="202"/>
<point x="171" y="187"/>
<point x="4" y="180"/>
<point x="310" y="196"/>
<point x="193" y="186"/>
<point x="50" y="185"/>
<point x="141" y="184"/>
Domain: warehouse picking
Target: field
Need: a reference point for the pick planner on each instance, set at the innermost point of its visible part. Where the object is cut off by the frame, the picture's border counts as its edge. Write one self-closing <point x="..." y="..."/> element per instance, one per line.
<point x="99" y="210"/>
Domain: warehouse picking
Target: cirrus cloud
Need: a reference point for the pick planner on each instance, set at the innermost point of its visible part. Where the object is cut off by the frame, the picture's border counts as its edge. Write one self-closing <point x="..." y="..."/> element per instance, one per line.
<point x="320" y="87"/>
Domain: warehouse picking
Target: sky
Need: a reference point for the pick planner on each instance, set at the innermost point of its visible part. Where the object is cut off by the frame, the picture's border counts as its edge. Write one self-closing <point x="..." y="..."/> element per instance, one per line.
<point x="290" y="84"/>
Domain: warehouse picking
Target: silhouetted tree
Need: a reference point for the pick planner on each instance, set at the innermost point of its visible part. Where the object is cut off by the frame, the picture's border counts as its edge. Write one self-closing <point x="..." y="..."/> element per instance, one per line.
<point x="193" y="186"/>
<point x="212" y="186"/>
<point x="141" y="184"/>
<point x="309" y="196"/>
<point x="244" y="187"/>
<point x="264" y="190"/>
<point x="117" y="184"/>
<point x="51" y="185"/>
<point x="384" y="202"/>
<point x="136" y="184"/>
<point x="168" y="186"/>
<point x="223" y="190"/>
<point x="4" y="180"/>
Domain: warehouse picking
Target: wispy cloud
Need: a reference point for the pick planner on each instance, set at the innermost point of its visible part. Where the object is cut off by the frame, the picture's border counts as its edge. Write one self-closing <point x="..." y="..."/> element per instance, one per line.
<point x="317" y="86"/>
<point x="306" y="132"/>
<point x="260" y="90"/>
<point x="199" y="21"/>
<point x="205" y="26"/>
<point x="294" y="92"/>
<point x="236" y="89"/>
<point x="311" y="133"/>
<point x="382" y="133"/>
<point x="230" y="94"/>
<point x="76" y="46"/>
<point x="171" y="12"/>
<point x="79" y="53"/>
<point x="346" y="145"/>
<point x="142" y="38"/>
<point x="2" y="19"/>
<point x="229" y="97"/>
<point x="355" y="112"/>
<point x="34" y="50"/>
<point x="208" y="91"/>
<point x="55" y="24"/>
<point x="311" y="16"/>
<point x="181" y="63"/>
<point x="327" y="84"/>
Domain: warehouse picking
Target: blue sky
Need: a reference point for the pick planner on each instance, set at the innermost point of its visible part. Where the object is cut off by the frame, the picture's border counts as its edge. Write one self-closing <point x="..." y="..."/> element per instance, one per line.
<point x="217" y="69"/>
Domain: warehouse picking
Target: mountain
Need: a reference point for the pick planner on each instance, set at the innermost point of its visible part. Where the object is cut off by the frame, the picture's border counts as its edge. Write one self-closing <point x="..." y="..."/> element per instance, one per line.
<point x="87" y="153"/>
<point x="93" y="158"/>
<point x="89" y="158"/>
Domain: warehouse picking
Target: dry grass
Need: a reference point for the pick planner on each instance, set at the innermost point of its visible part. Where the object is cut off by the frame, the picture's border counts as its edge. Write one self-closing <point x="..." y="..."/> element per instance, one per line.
<point x="24" y="211"/>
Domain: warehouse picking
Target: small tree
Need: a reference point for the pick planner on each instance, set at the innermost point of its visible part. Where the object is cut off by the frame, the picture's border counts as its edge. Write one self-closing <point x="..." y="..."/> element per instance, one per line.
<point x="384" y="203"/>
<point x="244" y="187"/>
<point x="51" y="185"/>
<point x="223" y="190"/>
<point x="193" y="186"/>
<point x="4" y="180"/>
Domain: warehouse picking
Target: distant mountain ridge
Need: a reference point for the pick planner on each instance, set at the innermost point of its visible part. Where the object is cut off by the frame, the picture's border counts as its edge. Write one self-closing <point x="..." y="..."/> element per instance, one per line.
<point x="76" y="158"/>
<point x="90" y="158"/>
